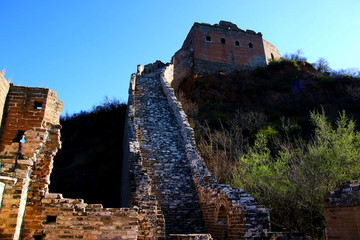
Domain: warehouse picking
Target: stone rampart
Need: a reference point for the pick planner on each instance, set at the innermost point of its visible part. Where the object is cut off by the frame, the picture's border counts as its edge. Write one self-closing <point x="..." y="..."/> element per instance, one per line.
<point x="141" y="192"/>
<point x="228" y="213"/>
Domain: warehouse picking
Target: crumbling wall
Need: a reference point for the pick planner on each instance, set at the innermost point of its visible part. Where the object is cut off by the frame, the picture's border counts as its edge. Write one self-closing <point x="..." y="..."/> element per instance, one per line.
<point x="55" y="217"/>
<point x="228" y="213"/>
<point x="4" y="88"/>
<point x="183" y="62"/>
<point x="28" y="143"/>
<point x="152" y="223"/>
<point x="342" y="212"/>
<point x="17" y="157"/>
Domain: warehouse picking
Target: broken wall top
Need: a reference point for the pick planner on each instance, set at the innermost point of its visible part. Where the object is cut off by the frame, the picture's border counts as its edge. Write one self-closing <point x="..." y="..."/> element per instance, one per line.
<point x="27" y="108"/>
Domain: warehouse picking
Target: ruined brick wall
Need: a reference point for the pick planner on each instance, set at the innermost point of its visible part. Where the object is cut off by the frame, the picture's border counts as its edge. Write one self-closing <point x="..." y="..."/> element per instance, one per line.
<point x="228" y="213"/>
<point x="342" y="212"/>
<point x="22" y="118"/>
<point x="271" y="52"/>
<point x="4" y="88"/>
<point x="28" y="210"/>
<point x="55" y="217"/>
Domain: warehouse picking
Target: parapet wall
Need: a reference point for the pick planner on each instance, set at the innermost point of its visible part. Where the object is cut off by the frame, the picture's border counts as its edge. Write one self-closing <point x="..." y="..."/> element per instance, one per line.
<point x="228" y="213"/>
<point x="152" y="224"/>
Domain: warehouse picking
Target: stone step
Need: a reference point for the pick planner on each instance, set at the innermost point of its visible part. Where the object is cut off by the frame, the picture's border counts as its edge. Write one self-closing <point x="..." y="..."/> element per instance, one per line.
<point x="164" y="158"/>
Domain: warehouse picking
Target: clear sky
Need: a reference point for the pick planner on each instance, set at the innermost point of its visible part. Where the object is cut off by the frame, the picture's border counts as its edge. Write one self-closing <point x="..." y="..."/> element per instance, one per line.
<point x="87" y="49"/>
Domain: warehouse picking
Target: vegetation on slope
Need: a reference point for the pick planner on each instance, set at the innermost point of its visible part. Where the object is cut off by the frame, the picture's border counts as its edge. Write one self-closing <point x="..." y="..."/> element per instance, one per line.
<point x="266" y="131"/>
<point x="89" y="164"/>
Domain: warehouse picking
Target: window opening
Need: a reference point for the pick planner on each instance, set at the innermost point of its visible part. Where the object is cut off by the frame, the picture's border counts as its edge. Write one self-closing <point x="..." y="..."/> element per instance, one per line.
<point x="20" y="137"/>
<point x="237" y="43"/>
<point x="38" y="237"/>
<point x="50" y="220"/>
<point x="223" y="41"/>
<point x="251" y="45"/>
<point x="208" y="38"/>
<point x="37" y="105"/>
<point x="272" y="57"/>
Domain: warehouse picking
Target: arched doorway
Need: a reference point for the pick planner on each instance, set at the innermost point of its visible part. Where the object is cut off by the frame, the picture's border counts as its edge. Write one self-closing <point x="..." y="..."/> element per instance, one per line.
<point x="222" y="223"/>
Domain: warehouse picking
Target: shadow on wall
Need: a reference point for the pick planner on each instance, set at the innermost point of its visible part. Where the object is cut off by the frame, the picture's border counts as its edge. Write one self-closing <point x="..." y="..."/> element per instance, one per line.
<point x="90" y="162"/>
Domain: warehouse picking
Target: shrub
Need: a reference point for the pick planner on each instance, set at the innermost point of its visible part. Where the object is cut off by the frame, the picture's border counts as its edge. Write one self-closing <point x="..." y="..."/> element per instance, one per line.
<point x="293" y="181"/>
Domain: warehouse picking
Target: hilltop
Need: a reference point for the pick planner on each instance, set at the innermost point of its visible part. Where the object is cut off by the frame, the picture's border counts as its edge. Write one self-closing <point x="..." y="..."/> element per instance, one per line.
<point x="282" y="89"/>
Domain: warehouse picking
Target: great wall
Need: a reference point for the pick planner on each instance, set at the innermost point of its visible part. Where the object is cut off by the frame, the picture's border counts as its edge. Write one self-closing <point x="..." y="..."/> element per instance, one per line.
<point x="171" y="194"/>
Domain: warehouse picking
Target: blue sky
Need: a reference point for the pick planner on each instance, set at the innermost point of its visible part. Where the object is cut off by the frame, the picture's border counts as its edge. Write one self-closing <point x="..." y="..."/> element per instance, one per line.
<point x="86" y="50"/>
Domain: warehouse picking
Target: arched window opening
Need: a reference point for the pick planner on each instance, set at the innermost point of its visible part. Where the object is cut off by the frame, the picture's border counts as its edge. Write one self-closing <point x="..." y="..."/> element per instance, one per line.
<point x="208" y="38"/>
<point x="272" y="57"/>
<point x="222" y="224"/>
<point x="237" y="43"/>
<point x="251" y="45"/>
<point x="223" y="41"/>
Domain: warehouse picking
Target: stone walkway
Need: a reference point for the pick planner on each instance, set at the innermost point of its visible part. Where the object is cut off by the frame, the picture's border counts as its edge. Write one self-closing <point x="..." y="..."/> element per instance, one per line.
<point x="164" y="157"/>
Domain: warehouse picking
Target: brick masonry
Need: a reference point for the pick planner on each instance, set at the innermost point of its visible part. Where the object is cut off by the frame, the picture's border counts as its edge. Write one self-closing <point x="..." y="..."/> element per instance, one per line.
<point x="29" y="140"/>
<point x="342" y="212"/>
<point x="209" y="49"/>
<point x="4" y="89"/>
<point x="166" y="165"/>
<point x="228" y="213"/>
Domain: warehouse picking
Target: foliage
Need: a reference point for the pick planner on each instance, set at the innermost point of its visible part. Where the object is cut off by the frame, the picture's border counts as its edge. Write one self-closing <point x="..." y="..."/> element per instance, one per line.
<point x="293" y="181"/>
<point x="297" y="56"/>
<point x="221" y="147"/>
<point x="269" y="133"/>
<point x="322" y="65"/>
<point x="346" y="73"/>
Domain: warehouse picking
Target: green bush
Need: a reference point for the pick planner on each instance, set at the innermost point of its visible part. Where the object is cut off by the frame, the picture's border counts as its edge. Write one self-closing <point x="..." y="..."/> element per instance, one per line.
<point x="293" y="180"/>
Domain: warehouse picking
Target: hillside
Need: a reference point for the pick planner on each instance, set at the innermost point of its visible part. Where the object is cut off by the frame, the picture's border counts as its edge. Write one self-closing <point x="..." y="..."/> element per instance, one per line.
<point x="280" y="133"/>
<point x="288" y="88"/>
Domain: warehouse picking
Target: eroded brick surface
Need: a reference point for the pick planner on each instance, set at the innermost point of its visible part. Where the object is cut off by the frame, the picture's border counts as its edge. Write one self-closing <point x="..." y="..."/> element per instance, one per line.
<point x="29" y="140"/>
<point x="342" y="212"/>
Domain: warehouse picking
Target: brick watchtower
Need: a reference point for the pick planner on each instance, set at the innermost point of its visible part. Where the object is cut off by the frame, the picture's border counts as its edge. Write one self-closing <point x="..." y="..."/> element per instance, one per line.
<point x="224" y="47"/>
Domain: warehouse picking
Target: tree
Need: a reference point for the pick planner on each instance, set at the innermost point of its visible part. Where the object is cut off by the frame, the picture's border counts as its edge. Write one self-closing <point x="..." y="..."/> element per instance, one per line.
<point x="322" y="65"/>
<point x="297" y="56"/>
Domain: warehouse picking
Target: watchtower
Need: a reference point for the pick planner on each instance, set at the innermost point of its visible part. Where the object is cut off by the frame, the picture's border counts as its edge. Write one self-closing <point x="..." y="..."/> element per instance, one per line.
<point x="221" y="47"/>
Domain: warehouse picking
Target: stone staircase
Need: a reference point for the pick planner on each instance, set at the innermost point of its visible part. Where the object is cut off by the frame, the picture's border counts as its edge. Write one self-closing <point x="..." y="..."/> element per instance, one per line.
<point x="163" y="154"/>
